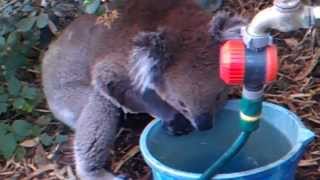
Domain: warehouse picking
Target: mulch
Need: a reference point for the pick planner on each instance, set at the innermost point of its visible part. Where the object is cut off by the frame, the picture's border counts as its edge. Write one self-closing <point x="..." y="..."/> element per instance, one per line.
<point x="297" y="88"/>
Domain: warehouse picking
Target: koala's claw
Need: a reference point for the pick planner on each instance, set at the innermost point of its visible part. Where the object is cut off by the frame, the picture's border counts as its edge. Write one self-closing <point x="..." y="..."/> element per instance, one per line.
<point x="178" y="127"/>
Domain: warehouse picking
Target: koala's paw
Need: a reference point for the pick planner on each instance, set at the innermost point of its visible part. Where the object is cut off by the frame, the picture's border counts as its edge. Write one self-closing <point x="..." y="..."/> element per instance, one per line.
<point x="179" y="126"/>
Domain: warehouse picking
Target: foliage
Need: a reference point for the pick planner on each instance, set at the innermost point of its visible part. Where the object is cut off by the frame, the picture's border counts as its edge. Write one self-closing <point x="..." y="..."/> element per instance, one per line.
<point x="21" y="134"/>
<point x="91" y="6"/>
<point x="99" y="8"/>
<point x="19" y="32"/>
<point x="21" y="23"/>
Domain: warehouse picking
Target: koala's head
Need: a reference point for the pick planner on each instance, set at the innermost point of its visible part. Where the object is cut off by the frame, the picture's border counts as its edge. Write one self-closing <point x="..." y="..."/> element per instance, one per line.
<point x="183" y="69"/>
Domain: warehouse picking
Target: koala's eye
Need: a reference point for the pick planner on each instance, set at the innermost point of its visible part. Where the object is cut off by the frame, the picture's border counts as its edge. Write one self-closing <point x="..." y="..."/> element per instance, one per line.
<point x="185" y="111"/>
<point x="183" y="107"/>
<point x="182" y="104"/>
<point x="110" y="86"/>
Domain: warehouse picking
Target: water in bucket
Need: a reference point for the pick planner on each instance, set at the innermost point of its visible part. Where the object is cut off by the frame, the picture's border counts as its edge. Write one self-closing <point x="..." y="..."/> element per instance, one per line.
<point x="265" y="146"/>
<point x="275" y="147"/>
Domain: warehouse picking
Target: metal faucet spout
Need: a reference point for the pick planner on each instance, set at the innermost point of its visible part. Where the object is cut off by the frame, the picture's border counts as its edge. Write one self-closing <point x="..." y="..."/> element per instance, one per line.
<point x="282" y="20"/>
<point x="284" y="16"/>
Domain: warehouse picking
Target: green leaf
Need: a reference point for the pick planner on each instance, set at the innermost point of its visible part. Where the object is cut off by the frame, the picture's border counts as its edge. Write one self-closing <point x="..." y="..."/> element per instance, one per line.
<point x="2" y="42"/>
<point x="60" y="139"/>
<point x="2" y="89"/>
<point x="42" y="20"/>
<point x="20" y="153"/>
<point x="26" y="24"/>
<point x="28" y="107"/>
<point x="36" y="130"/>
<point x="8" y="145"/>
<point x="13" y="62"/>
<point x="33" y="36"/>
<point x="87" y="2"/>
<point x="3" y="103"/>
<point x="3" y="107"/>
<point x="8" y="10"/>
<point x="46" y="140"/>
<point x="5" y="26"/>
<point x="21" y="128"/>
<point x="3" y="129"/>
<point x="29" y="92"/>
<point x="4" y="97"/>
<point x="12" y="39"/>
<point x="92" y="7"/>
<point x="19" y="103"/>
<point x="27" y="8"/>
<point x="33" y="13"/>
<point x="100" y="11"/>
<point x="14" y="86"/>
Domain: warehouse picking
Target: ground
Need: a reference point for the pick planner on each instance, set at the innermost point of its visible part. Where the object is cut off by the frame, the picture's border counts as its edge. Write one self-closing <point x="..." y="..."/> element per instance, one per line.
<point x="297" y="88"/>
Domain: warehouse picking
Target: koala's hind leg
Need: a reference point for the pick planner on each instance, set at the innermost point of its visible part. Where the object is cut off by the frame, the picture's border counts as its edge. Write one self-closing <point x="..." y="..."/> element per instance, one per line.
<point x="67" y="103"/>
<point x="95" y="132"/>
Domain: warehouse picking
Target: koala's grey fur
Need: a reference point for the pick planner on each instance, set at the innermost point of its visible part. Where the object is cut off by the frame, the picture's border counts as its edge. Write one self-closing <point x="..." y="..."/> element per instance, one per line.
<point x="157" y="58"/>
<point x="149" y="49"/>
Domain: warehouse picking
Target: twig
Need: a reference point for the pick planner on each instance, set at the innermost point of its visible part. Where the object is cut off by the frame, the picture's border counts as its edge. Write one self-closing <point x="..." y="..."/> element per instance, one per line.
<point x="40" y="171"/>
<point x="133" y="151"/>
<point x="310" y="67"/>
<point x="43" y="110"/>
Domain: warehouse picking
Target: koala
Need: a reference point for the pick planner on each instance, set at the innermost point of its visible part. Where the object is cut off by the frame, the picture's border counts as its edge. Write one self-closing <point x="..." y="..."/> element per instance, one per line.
<point x="158" y="57"/>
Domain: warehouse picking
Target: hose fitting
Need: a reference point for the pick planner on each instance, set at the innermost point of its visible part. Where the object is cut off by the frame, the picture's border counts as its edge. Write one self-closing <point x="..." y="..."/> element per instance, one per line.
<point x="250" y="109"/>
<point x="241" y="66"/>
<point x="252" y="69"/>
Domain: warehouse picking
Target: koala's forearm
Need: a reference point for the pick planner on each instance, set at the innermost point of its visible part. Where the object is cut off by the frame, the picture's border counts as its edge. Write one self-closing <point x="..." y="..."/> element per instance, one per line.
<point x="95" y="131"/>
<point x="118" y="88"/>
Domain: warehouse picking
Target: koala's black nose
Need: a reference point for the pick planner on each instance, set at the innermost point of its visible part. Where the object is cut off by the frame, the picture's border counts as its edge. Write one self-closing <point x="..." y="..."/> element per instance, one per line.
<point x="204" y="122"/>
<point x="178" y="126"/>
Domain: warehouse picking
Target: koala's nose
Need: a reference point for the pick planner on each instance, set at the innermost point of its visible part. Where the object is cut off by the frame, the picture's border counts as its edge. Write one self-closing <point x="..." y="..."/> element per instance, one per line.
<point x="204" y="122"/>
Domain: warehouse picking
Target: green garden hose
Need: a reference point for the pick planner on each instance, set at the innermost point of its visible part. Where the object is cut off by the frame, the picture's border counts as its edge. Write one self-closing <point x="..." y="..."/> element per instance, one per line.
<point x="229" y="154"/>
<point x="250" y="111"/>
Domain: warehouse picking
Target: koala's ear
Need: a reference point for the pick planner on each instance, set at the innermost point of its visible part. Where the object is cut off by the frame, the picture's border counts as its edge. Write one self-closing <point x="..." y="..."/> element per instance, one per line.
<point x="223" y="26"/>
<point x="149" y="59"/>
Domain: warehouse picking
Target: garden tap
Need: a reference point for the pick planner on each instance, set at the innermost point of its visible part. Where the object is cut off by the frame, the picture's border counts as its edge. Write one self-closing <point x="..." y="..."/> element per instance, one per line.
<point x="253" y="62"/>
<point x="251" y="69"/>
<point x="284" y="16"/>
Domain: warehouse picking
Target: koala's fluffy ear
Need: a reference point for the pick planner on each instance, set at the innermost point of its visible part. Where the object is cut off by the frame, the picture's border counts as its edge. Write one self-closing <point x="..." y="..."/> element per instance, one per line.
<point x="150" y="56"/>
<point x="223" y="27"/>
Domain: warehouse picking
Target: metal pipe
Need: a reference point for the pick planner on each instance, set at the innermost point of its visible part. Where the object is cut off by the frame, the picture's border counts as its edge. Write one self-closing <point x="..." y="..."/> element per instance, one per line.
<point x="316" y="14"/>
<point x="284" y="20"/>
<point x="284" y="16"/>
<point x="286" y="4"/>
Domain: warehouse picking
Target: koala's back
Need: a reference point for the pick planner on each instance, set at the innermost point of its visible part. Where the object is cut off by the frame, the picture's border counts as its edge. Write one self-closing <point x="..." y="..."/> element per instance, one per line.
<point x="66" y="68"/>
<point x="67" y="65"/>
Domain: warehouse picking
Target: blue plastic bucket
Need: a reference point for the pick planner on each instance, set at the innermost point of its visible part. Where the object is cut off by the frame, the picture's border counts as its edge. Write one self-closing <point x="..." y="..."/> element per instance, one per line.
<point x="273" y="151"/>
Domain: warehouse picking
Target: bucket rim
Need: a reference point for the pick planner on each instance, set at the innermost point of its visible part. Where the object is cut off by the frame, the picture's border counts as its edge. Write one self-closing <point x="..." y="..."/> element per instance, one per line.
<point x="302" y="140"/>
